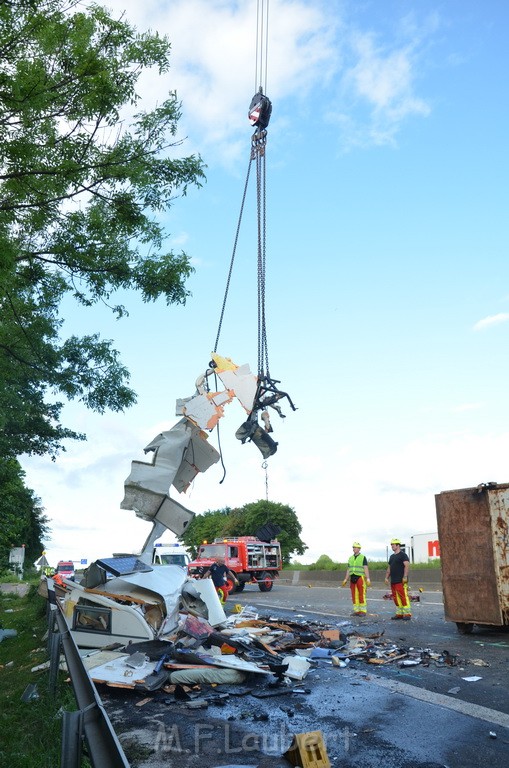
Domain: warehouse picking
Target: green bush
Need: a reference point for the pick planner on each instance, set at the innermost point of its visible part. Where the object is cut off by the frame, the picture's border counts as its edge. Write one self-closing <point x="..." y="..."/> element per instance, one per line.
<point x="325" y="563"/>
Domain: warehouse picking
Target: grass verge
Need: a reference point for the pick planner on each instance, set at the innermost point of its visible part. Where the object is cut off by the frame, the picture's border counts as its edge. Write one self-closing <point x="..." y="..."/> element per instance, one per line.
<point x="31" y="730"/>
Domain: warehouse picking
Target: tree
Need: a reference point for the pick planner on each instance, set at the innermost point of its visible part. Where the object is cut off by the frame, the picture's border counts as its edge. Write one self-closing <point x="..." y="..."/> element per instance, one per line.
<point x="81" y="184"/>
<point x="22" y="519"/>
<point x="258" y="513"/>
<point x="245" y="521"/>
<point x="205" y="527"/>
<point x="325" y="563"/>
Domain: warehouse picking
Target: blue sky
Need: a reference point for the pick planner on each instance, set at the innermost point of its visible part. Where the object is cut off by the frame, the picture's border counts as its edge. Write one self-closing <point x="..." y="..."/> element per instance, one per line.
<point x="387" y="270"/>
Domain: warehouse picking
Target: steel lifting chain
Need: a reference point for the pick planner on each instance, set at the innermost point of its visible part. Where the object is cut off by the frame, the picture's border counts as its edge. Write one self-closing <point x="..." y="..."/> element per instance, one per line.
<point x="259" y="142"/>
<point x="265" y="468"/>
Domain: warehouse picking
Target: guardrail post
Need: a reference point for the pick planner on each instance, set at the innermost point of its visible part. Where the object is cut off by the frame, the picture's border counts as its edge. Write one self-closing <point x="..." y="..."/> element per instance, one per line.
<point x="55" y="640"/>
<point x="72" y="739"/>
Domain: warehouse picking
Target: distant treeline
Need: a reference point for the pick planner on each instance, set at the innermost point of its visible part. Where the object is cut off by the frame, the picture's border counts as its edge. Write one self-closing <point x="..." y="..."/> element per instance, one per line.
<point x="325" y="563"/>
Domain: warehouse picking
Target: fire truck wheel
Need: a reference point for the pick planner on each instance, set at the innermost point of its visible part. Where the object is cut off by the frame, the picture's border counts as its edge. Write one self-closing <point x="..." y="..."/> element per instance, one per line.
<point x="265" y="583"/>
<point x="240" y="586"/>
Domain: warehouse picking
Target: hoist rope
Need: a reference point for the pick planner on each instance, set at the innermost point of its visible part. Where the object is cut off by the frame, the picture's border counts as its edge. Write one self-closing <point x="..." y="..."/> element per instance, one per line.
<point x="267" y="393"/>
<point x="234" y="251"/>
<point x="262" y="46"/>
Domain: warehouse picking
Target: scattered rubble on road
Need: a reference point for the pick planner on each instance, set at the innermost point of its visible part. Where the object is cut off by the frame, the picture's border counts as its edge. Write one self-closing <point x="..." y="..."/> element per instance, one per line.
<point x="270" y="655"/>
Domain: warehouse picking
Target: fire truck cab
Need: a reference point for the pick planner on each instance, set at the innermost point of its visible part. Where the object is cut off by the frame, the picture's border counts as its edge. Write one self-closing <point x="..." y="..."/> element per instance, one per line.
<point x="253" y="561"/>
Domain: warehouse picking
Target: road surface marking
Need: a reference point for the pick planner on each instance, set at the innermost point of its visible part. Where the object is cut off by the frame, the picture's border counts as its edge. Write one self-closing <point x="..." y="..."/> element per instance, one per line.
<point x="440" y="699"/>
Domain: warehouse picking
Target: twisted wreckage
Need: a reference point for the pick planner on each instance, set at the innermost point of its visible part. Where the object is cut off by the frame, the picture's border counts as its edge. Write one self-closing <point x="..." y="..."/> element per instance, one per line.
<point x="126" y="599"/>
<point x="141" y="602"/>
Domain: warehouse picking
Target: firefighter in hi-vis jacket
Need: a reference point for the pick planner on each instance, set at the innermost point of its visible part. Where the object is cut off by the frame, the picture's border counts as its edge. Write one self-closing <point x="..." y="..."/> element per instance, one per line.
<point x="397" y="570"/>
<point x="358" y="573"/>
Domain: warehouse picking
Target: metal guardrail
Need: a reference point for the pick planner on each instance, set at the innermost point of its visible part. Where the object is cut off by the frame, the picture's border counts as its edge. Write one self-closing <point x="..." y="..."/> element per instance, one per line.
<point x="90" y="723"/>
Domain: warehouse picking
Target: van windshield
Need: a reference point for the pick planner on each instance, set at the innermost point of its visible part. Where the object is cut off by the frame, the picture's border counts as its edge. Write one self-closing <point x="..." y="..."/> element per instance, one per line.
<point x="173" y="560"/>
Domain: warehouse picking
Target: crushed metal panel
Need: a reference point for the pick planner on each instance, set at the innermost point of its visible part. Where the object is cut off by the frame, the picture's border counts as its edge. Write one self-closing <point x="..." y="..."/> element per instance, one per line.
<point x="472" y="529"/>
<point x="198" y="457"/>
<point x="233" y="662"/>
<point x="169" y="447"/>
<point x="173" y="516"/>
<point x="179" y="455"/>
<point x="157" y="475"/>
<point x="143" y="502"/>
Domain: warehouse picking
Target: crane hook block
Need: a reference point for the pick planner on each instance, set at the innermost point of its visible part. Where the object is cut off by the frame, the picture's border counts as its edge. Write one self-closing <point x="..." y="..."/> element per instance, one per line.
<point x="260" y="111"/>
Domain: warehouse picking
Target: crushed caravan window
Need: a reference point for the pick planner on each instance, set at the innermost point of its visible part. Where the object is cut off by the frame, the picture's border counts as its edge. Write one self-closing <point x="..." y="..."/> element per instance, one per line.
<point x="92" y="619"/>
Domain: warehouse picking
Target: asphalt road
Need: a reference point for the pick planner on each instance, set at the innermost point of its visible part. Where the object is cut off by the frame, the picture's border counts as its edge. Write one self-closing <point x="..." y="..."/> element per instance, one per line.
<point x="387" y="717"/>
<point x="427" y="629"/>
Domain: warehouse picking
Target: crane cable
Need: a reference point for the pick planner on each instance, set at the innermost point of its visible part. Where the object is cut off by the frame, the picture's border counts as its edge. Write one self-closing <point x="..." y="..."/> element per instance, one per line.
<point x="262" y="44"/>
<point x="257" y="153"/>
<point x="259" y="114"/>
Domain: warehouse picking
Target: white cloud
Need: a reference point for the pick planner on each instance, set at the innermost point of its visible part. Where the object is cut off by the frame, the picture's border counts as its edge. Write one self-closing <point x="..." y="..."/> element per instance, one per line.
<point x="312" y="48"/>
<point x="379" y="83"/>
<point x="464" y="407"/>
<point x="491" y="320"/>
<point x="213" y="61"/>
<point x="339" y="495"/>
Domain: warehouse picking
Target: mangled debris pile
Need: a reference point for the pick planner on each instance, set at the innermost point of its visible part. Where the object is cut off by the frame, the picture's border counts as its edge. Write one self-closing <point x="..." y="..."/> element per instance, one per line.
<point x="274" y="655"/>
<point x="245" y="645"/>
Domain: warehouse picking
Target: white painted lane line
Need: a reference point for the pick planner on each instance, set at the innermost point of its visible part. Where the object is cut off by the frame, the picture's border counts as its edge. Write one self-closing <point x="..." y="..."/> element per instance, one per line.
<point x="439" y="699"/>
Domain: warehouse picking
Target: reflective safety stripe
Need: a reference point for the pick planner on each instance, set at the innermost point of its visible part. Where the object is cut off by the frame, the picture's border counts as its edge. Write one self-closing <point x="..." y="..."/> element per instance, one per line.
<point x="401" y="599"/>
<point x="358" y="591"/>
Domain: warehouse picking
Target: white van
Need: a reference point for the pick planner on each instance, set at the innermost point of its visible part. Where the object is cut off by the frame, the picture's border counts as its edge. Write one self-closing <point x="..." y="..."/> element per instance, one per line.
<point x="170" y="554"/>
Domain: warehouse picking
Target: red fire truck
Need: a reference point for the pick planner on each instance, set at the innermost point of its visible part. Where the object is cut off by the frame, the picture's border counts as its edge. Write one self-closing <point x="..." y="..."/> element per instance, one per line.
<point x="252" y="560"/>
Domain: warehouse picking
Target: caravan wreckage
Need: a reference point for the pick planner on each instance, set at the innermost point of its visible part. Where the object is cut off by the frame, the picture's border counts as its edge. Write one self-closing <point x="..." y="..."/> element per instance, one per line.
<point x="141" y="602"/>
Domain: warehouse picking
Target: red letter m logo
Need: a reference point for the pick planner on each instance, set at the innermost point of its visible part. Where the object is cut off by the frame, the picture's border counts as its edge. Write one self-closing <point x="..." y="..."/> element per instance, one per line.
<point x="434" y="548"/>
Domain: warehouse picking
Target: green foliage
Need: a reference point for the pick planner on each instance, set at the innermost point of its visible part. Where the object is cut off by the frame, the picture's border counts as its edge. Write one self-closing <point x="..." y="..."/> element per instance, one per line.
<point x="205" y="527"/>
<point x="84" y="171"/>
<point x="324" y="563"/>
<point x="245" y="521"/>
<point x="22" y="519"/>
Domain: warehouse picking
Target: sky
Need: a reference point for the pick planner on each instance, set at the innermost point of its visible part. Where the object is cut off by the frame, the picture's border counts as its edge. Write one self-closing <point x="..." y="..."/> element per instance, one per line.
<point x="387" y="278"/>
